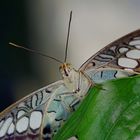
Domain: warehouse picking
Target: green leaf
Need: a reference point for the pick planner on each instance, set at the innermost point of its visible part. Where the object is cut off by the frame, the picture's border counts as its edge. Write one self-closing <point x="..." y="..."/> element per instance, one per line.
<point x="111" y="111"/>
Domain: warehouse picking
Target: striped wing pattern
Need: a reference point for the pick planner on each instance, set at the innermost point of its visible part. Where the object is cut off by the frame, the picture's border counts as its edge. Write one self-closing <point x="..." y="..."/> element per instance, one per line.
<point x="120" y="58"/>
<point x="30" y="117"/>
<point x="16" y="123"/>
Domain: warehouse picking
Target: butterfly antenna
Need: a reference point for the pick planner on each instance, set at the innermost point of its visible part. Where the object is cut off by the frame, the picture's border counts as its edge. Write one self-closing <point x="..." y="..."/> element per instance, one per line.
<point x="66" y="50"/>
<point x="35" y="51"/>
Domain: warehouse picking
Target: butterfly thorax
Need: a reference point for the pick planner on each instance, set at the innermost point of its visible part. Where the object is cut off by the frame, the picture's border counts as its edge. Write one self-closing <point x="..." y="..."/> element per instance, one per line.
<point x="74" y="80"/>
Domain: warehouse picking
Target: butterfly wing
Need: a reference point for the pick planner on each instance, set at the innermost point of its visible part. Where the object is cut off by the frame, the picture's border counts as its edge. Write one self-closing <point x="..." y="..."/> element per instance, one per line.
<point x="117" y="57"/>
<point x="24" y="119"/>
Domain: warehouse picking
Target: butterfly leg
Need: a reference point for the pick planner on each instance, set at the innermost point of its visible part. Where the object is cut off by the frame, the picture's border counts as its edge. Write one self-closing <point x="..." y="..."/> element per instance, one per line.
<point x="69" y="101"/>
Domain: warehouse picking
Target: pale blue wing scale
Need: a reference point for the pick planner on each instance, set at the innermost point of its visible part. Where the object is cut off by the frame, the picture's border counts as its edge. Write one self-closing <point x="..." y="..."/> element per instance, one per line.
<point x="102" y="75"/>
<point x="58" y="111"/>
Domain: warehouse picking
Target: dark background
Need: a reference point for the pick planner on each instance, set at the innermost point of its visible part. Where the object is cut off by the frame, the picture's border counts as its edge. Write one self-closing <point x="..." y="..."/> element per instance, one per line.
<point x="14" y="63"/>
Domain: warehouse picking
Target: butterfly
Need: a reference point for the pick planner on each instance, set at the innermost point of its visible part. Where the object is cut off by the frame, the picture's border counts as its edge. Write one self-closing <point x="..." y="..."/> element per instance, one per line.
<point x="42" y="113"/>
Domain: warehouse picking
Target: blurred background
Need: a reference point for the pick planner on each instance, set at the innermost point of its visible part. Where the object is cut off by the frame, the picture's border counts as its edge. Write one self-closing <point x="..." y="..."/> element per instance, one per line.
<point x="42" y="25"/>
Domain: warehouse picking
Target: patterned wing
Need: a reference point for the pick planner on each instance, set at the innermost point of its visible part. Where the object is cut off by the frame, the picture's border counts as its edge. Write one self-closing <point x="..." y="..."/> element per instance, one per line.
<point x="37" y="115"/>
<point x="121" y="58"/>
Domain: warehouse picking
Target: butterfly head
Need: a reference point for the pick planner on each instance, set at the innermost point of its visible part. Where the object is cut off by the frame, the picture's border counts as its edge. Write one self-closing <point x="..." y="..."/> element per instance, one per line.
<point x="65" y="69"/>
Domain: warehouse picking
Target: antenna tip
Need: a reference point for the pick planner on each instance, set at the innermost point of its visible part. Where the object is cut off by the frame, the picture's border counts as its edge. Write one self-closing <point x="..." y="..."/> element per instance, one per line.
<point x="15" y="45"/>
<point x="70" y="13"/>
<point x="12" y="44"/>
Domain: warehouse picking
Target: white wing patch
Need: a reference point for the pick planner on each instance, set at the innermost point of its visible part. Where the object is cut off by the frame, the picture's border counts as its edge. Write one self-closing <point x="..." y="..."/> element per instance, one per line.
<point x="35" y="120"/>
<point x="127" y="63"/>
<point x="20" y="113"/>
<point x="11" y="129"/>
<point x="5" y="126"/>
<point x="22" y="125"/>
<point x="135" y="42"/>
<point x="134" y="54"/>
<point x="123" y="50"/>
